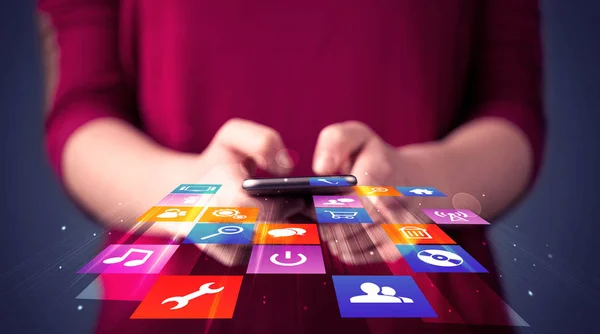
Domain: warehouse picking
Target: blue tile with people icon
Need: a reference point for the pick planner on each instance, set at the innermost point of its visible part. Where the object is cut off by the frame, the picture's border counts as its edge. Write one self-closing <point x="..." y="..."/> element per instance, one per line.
<point x="381" y="297"/>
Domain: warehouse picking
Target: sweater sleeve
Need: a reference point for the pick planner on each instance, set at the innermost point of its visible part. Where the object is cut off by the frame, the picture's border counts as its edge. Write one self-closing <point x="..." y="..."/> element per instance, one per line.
<point x="83" y="37"/>
<point x="507" y="69"/>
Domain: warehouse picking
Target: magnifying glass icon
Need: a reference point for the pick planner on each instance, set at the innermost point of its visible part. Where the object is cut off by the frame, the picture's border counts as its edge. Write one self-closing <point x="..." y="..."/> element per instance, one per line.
<point x="226" y="230"/>
<point x="377" y="190"/>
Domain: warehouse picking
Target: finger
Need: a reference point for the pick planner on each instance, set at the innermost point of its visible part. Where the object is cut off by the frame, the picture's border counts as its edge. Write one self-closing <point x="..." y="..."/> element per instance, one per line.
<point x="373" y="165"/>
<point x="257" y="142"/>
<point x="337" y="144"/>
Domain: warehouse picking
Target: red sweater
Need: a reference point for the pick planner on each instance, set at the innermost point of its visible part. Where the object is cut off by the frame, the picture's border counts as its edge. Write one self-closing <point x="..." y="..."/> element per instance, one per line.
<point x="411" y="70"/>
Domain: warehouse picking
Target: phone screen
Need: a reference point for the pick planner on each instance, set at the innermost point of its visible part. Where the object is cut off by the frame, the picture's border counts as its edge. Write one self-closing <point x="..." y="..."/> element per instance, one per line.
<point x="330" y="184"/>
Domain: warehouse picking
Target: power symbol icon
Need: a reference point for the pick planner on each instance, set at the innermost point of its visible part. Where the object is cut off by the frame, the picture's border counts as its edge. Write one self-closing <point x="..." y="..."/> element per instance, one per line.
<point x="288" y="256"/>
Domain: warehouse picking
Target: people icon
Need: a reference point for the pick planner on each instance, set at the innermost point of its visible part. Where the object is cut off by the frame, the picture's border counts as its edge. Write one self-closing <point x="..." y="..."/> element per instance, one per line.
<point x="339" y="201"/>
<point x="372" y="290"/>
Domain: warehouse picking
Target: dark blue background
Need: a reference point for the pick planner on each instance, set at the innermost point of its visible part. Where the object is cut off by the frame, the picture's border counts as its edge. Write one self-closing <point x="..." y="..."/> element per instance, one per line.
<point x="547" y="245"/>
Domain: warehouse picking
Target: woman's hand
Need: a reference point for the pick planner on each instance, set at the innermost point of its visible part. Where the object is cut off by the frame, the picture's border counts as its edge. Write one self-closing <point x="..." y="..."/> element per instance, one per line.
<point x="483" y="166"/>
<point x="238" y="149"/>
<point x="352" y="147"/>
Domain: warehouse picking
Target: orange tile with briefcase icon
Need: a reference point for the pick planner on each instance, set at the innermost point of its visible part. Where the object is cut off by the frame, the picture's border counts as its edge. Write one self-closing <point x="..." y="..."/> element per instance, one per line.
<point x="170" y="214"/>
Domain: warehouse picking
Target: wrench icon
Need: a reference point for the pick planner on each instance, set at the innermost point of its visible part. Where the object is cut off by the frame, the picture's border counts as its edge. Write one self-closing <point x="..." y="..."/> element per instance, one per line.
<point x="182" y="301"/>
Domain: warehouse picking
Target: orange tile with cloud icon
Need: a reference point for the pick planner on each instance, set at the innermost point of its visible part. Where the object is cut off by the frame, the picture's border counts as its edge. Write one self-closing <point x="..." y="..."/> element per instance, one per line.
<point x="286" y="234"/>
<point x="417" y="234"/>
<point x="229" y="215"/>
<point x="170" y="214"/>
<point x="376" y="191"/>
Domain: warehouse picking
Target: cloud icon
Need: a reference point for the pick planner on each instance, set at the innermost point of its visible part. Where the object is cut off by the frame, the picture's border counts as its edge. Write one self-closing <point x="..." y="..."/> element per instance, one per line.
<point x="286" y="232"/>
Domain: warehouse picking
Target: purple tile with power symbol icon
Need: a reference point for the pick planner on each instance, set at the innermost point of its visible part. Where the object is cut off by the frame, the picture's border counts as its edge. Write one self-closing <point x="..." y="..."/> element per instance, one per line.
<point x="286" y="259"/>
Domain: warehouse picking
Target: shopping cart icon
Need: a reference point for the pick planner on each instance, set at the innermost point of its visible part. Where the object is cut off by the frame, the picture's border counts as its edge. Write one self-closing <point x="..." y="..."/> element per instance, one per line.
<point x="342" y="214"/>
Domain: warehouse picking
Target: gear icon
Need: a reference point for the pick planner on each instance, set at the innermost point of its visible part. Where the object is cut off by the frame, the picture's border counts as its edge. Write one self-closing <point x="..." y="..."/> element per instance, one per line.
<point x="233" y="213"/>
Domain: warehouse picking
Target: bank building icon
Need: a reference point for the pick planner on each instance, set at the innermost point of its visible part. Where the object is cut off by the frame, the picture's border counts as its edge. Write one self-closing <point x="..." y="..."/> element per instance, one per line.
<point x="414" y="232"/>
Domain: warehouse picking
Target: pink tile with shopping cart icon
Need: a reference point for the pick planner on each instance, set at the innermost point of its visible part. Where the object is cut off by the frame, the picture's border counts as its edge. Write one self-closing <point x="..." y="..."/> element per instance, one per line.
<point x="343" y="215"/>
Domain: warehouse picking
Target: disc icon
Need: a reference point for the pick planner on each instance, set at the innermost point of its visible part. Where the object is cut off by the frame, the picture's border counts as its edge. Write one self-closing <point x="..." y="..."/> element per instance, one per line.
<point x="440" y="258"/>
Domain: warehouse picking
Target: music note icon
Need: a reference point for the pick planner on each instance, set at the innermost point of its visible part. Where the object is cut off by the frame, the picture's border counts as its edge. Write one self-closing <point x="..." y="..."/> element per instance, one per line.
<point x="130" y="263"/>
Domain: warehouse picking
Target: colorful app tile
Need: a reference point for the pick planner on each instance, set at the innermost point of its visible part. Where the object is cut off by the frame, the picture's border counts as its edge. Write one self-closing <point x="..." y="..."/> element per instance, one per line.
<point x="165" y="233"/>
<point x="328" y="181"/>
<point x="190" y="297"/>
<point x="280" y="259"/>
<point x="230" y="215"/>
<point x="439" y="259"/>
<point x="420" y="191"/>
<point x="133" y="287"/>
<point x="215" y="233"/>
<point x="185" y="200"/>
<point x="208" y="189"/>
<point x="337" y="202"/>
<point x="287" y="234"/>
<point x="381" y="297"/>
<point x="454" y="217"/>
<point x="416" y="234"/>
<point x="170" y="214"/>
<point x="341" y="215"/>
<point x="376" y="191"/>
<point x="130" y="259"/>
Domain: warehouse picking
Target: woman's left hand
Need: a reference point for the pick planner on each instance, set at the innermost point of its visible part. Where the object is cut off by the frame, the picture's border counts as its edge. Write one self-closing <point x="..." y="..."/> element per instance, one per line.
<point x="353" y="148"/>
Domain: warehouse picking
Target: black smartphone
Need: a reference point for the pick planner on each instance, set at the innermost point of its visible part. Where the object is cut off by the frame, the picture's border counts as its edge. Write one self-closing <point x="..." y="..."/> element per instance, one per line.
<point x="318" y="185"/>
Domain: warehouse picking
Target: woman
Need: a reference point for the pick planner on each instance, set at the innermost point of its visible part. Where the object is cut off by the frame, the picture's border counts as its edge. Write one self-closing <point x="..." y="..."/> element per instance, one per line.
<point x="145" y="95"/>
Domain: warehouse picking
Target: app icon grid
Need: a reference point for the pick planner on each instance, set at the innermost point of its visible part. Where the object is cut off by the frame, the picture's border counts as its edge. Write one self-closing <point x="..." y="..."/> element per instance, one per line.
<point x="195" y="198"/>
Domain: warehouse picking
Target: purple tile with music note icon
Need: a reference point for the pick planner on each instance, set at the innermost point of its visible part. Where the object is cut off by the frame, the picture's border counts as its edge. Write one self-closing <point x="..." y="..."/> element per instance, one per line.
<point x="130" y="259"/>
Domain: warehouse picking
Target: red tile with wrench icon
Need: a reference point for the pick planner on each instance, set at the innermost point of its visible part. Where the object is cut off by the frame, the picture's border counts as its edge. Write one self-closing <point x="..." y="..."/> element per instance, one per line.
<point x="190" y="297"/>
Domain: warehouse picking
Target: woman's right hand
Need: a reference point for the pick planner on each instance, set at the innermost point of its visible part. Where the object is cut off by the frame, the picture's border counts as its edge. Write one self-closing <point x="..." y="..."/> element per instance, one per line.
<point x="237" y="151"/>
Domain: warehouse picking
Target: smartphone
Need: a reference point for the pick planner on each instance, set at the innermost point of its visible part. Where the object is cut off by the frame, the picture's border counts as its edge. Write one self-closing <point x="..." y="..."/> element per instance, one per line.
<point x="317" y="185"/>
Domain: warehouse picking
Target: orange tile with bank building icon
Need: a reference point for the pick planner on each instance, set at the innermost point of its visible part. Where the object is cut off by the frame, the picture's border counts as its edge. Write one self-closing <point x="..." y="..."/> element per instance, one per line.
<point x="417" y="234"/>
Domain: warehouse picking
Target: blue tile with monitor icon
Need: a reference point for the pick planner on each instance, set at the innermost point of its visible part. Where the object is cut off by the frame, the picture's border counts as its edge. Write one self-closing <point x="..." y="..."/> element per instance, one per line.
<point x="420" y="191"/>
<point x="381" y="297"/>
<point x="209" y="189"/>
<point x="220" y="233"/>
<point x="439" y="259"/>
<point x="328" y="181"/>
<point x="343" y="215"/>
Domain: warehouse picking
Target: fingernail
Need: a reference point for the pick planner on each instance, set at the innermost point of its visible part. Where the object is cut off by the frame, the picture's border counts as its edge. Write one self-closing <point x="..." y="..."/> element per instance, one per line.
<point x="324" y="164"/>
<point x="284" y="160"/>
